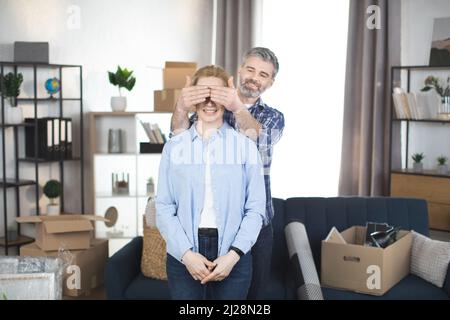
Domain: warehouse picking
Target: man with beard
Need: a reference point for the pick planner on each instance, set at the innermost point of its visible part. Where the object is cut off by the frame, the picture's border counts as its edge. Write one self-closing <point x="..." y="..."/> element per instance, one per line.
<point x="246" y="112"/>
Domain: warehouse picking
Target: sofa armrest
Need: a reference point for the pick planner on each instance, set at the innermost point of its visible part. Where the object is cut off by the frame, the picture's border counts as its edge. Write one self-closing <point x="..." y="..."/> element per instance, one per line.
<point x="122" y="268"/>
<point x="447" y="281"/>
<point x="300" y="255"/>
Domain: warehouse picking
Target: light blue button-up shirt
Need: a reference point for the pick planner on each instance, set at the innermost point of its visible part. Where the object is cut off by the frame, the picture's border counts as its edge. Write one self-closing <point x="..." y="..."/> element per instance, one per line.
<point x="237" y="178"/>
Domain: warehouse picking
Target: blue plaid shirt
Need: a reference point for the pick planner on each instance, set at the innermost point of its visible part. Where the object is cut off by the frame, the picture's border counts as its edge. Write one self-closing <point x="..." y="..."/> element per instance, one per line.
<point x="272" y="122"/>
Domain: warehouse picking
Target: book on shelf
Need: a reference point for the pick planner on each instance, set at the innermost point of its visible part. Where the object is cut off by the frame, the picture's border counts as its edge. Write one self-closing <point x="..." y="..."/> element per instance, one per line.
<point x="415" y="105"/>
<point x="153" y="132"/>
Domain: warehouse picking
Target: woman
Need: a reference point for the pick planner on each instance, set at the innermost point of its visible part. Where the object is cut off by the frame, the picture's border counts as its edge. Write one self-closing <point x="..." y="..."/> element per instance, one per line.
<point x="210" y="202"/>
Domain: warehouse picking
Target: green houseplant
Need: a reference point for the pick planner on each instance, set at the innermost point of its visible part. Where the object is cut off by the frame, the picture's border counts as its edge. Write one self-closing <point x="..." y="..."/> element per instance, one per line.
<point x="52" y="190"/>
<point x="10" y="90"/>
<point x="418" y="165"/>
<point x="442" y="164"/>
<point x="122" y="78"/>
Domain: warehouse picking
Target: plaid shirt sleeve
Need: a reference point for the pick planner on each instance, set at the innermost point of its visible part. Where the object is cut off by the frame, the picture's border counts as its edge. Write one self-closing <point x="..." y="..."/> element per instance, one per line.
<point x="272" y="129"/>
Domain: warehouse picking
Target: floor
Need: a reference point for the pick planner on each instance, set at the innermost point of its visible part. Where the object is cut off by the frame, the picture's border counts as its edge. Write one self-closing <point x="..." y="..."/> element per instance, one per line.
<point x="96" y="294"/>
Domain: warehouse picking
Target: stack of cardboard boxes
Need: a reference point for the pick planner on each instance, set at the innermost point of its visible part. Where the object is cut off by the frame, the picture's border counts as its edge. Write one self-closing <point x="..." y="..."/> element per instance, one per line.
<point x="174" y="79"/>
<point x="70" y="236"/>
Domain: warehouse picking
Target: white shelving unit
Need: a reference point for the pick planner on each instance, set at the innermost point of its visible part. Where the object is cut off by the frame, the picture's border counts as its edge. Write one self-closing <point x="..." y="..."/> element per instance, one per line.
<point x="140" y="167"/>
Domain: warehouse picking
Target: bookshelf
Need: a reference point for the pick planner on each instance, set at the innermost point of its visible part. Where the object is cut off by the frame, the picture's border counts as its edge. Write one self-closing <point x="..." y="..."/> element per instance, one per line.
<point x="419" y="133"/>
<point x="36" y="103"/>
<point x="139" y="166"/>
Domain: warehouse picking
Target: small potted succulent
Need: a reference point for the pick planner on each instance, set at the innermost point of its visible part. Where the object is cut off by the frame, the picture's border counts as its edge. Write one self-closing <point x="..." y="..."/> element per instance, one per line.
<point x="442" y="165"/>
<point x="10" y="90"/>
<point x="122" y="78"/>
<point x="52" y="190"/>
<point x="418" y="165"/>
<point x="150" y="187"/>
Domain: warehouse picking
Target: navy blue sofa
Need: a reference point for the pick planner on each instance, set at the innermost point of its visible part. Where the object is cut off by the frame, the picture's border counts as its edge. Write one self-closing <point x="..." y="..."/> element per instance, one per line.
<point x="124" y="280"/>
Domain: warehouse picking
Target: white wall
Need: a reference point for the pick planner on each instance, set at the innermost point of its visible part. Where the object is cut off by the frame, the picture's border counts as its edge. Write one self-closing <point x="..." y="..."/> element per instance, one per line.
<point x="138" y="34"/>
<point x="417" y="30"/>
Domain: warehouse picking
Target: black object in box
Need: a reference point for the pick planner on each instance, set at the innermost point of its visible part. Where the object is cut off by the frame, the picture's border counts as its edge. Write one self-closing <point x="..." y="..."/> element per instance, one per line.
<point x="146" y="147"/>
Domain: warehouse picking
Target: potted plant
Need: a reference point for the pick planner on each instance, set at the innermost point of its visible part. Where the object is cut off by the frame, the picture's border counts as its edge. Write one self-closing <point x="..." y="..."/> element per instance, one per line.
<point x="444" y="92"/>
<point x="123" y="79"/>
<point x="418" y="165"/>
<point x="10" y="90"/>
<point x="52" y="190"/>
<point x="442" y="165"/>
<point x="150" y="187"/>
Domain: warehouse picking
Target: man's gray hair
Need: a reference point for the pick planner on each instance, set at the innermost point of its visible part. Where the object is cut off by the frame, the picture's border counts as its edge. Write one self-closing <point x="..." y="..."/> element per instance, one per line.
<point x="265" y="54"/>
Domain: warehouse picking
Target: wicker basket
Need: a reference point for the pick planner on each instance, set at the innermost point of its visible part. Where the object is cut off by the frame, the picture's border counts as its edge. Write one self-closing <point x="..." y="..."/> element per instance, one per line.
<point x="153" y="262"/>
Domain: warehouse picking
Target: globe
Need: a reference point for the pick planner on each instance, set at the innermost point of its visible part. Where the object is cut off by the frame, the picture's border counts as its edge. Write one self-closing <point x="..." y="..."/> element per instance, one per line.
<point x="52" y="86"/>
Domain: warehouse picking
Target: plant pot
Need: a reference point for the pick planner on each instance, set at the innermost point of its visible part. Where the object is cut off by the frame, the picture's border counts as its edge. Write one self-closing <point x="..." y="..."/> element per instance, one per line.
<point x="118" y="104"/>
<point x="53" y="209"/>
<point x="442" y="169"/>
<point x="13" y="115"/>
<point x="150" y="189"/>
<point x="418" y="167"/>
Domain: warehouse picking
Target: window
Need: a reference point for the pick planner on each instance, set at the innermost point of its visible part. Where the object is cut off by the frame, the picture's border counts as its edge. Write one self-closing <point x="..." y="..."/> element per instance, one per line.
<point x="310" y="41"/>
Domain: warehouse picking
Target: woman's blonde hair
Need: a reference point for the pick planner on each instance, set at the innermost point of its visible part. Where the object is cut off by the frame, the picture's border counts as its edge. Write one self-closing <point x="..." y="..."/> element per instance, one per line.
<point x="211" y="71"/>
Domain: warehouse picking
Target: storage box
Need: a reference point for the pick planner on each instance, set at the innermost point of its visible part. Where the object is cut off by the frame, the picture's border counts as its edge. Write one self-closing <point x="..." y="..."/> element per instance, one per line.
<point x="174" y="74"/>
<point x="71" y="231"/>
<point x="91" y="263"/>
<point x="165" y="100"/>
<point x="146" y="147"/>
<point x="353" y="266"/>
<point x="36" y="52"/>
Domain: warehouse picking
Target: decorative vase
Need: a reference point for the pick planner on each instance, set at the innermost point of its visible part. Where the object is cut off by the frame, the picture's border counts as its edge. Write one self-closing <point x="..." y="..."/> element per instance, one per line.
<point x="13" y="114"/>
<point x="418" y="166"/>
<point x="53" y="209"/>
<point x="115" y="141"/>
<point x="118" y="104"/>
<point x="442" y="169"/>
<point x="445" y="107"/>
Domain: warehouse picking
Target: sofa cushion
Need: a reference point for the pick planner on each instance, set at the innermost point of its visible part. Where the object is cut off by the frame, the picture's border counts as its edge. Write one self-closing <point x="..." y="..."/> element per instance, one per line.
<point x="410" y="288"/>
<point x="146" y="288"/>
<point x="430" y="259"/>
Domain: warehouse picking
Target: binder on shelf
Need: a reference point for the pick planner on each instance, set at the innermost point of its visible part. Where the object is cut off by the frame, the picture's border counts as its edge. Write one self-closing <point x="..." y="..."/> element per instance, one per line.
<point x="49" y="145"/>
<point x="45" y="138"/>
<point x="68" y="138"/>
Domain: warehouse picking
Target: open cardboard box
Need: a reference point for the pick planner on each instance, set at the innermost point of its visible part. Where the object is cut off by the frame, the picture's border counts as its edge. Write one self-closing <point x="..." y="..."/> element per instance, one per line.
<point x="91" y="263"/>
<point x="353" y="266"/>
<point x="70" y="231"/>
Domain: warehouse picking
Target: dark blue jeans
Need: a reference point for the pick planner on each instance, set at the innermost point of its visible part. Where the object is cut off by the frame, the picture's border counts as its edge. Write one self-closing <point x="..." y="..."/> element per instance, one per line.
<point x="234" y="287"/>
<point x="262" y="256"/>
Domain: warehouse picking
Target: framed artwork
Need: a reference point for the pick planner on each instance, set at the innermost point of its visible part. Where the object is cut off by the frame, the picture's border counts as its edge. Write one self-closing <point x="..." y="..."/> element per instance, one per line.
<point x="440" y="46"/>
<point x="28" y="286"/>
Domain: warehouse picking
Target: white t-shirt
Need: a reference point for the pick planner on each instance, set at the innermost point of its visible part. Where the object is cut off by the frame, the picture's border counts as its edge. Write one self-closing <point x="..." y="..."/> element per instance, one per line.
<point x="208" y="215"/>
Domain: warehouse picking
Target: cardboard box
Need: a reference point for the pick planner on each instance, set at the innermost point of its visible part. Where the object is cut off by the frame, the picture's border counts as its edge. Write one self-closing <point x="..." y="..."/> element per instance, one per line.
<point x="353" y="266"/>
<point x="91" y="263"/>
<point x="174" y="74"/>
<point x="71" y="231"/>
<point x="165" y="100"/>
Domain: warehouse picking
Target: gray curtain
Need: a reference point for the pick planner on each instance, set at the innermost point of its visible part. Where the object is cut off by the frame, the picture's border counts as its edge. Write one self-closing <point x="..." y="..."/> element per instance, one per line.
<point x="234" y="32"/>
<point x="366" y="128"/>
